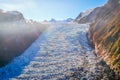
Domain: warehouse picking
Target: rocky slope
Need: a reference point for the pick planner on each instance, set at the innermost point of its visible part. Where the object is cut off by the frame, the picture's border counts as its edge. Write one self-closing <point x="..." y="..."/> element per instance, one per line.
<point x="104" y="33"/>
<point x="16" y="34"/>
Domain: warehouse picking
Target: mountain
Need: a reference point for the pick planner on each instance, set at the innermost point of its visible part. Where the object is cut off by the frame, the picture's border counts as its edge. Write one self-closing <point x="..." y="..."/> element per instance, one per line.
<point x="52" y="20"/>
<point x="82" y="18"/>
<point x="16" y="35"/>
<point x="68" y="20"/>
<point x="104" y="33"/>
<point x="10" y="16"/>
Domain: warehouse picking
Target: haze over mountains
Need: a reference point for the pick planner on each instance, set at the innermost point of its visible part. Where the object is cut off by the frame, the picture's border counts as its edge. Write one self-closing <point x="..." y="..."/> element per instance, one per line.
<point x="16" y="34"/>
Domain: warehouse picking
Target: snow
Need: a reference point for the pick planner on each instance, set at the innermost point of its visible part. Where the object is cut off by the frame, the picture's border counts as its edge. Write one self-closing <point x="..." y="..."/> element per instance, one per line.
<point x="85" y="13"/>
<point x="55" y="53"/>
<point x="13" y="12"/>
<point x="10" y="12"/>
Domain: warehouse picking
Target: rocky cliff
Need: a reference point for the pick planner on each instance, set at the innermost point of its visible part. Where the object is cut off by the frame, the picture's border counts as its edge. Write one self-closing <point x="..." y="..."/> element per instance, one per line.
<point x="16" y="34"/>
<point x="104" y="33"/>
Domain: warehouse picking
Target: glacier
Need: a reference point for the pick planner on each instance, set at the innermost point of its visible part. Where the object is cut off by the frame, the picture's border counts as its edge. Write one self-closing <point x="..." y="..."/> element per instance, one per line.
<point x="57" y="52"/>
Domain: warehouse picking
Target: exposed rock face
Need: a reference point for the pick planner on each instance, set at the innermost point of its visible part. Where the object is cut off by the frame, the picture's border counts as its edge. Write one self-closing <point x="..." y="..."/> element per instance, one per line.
<point x="16" y="35"/>
<point x="104" y="33"/>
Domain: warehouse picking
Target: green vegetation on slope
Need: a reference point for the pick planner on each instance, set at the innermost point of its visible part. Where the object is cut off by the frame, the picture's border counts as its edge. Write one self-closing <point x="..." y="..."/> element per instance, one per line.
<point x="110" y="40"/>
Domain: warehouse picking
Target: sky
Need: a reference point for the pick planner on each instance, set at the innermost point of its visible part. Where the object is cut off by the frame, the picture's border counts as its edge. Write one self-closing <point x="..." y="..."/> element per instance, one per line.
<point x="41" y="10"/>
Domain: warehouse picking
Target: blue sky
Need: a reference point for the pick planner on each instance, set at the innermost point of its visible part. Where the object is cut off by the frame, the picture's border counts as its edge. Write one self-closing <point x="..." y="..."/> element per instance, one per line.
<point x="46" y="9"/>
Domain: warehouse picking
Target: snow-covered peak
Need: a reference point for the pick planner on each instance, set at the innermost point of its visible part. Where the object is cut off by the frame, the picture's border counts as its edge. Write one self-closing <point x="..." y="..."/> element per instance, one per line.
<point x="10" y="16"/>
<point x="52" y="20"/>
<point x="14" y="12"/>
<point x="30" y="21"/>
<point x="60" y="21"/>
<point x="84" y="13"/>
<point x="69" y="20"/>
<point x="10" y="12"/>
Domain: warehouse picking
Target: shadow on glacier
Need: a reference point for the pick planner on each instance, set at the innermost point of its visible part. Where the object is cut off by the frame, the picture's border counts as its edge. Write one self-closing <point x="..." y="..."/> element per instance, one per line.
<point x="84" y="40"/>
<point x="15" y="67"/>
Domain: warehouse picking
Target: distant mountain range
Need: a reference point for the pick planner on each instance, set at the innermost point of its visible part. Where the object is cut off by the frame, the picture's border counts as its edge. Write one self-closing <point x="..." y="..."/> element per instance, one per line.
<point x="54" y="20"/>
